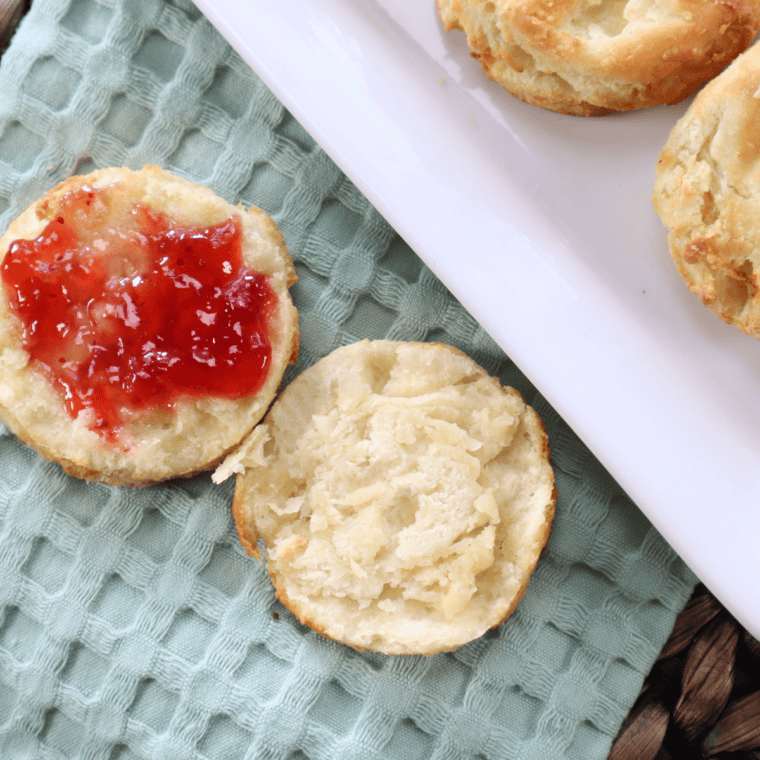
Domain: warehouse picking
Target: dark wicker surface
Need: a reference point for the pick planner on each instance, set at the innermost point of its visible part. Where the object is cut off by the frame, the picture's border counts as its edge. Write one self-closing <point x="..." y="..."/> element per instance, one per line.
<point x="702" y="698"/>
<point x="11" y="12"/>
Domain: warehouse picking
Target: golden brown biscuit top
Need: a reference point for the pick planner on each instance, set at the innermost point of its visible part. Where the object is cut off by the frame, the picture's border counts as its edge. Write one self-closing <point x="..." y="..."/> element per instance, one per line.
<point x="735" y="146"/>
<point x="591" y="56"/>
<point x="636" y="41"/>
<point x="707" y="193"/>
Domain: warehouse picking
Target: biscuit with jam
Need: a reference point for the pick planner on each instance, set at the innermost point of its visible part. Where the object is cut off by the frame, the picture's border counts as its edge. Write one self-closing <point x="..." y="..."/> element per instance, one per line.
<point x="145" y="325"/>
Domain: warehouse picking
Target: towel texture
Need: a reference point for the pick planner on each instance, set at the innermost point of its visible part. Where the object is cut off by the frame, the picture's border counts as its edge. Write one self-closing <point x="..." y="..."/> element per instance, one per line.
<point x="132" y="625"/>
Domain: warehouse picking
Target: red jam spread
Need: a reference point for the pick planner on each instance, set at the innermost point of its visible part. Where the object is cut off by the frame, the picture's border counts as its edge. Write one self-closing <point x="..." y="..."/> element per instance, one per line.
<point x="127" y="311"/>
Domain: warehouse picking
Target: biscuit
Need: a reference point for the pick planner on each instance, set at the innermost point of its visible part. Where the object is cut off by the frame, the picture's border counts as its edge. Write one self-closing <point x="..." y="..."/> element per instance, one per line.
<point x="403" y="497"/>
<point x="707" y="193"/>
<point x="89" y="397"/>
<point x="590" y="57"/>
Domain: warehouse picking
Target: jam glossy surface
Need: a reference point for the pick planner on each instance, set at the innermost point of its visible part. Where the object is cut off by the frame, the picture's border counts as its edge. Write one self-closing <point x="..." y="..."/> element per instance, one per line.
<point x="127" y="311"/>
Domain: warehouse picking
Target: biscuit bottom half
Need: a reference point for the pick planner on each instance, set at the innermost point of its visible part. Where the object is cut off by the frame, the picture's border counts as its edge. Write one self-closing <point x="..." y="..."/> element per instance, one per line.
<point x="403" y="497"/>
<point x="145" y="325"/>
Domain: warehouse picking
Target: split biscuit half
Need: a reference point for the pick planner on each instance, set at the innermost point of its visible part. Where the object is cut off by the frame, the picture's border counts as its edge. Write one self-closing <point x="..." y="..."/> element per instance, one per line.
<point x="403" y="497"/>
<point x="155" y="442"/>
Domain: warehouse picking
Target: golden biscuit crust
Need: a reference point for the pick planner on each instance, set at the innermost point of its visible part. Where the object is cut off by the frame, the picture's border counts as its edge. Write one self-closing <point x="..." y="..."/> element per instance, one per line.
<point x="590" y="57"/>
<point x="707" y="193"/>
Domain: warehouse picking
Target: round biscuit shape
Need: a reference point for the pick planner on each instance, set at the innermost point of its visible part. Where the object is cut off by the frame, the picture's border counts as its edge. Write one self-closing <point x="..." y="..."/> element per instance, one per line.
<point x="707" y="193"/>
<point x="402" y="494"/>
<point x="158" y="444"/>
<point x="590" y="57"/>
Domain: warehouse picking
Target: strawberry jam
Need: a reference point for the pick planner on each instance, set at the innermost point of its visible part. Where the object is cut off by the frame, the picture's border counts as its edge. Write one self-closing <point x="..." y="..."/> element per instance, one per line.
<point x="128" y="311"/>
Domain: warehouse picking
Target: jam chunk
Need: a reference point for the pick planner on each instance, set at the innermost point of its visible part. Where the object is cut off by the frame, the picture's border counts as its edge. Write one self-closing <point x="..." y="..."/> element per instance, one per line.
<point x="126" y="310"/>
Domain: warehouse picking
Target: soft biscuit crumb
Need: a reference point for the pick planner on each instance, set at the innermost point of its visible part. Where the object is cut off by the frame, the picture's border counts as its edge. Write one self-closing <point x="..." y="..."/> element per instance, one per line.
<point x="403" y="496"/>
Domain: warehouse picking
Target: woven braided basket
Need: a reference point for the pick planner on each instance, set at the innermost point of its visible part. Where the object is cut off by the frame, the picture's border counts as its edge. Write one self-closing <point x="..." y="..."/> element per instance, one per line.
<point x="702" y="698"/>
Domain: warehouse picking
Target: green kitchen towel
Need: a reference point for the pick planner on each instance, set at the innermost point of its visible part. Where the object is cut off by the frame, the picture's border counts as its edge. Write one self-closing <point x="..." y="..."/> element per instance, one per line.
<point x="132" y="624"/>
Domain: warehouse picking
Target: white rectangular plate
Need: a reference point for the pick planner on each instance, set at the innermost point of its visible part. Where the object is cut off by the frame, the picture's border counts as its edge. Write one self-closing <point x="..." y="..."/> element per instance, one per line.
<point x="542" y="226"/>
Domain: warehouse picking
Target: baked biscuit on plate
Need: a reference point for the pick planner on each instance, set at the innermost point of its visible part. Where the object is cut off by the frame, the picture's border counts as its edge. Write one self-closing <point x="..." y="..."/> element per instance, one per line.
<point x="589" y="57"/>
<point x="707" y="193"/>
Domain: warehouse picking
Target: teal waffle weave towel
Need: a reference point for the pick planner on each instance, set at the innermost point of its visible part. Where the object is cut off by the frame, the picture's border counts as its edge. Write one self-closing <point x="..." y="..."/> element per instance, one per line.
<point x="132" y="624"/>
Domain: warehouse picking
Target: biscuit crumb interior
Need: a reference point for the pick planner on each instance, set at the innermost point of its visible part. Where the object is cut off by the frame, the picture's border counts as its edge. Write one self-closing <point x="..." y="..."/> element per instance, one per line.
<point x="398" y="489"/>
